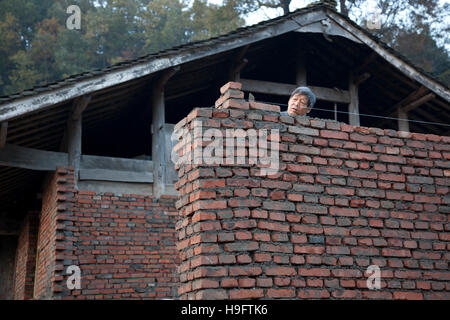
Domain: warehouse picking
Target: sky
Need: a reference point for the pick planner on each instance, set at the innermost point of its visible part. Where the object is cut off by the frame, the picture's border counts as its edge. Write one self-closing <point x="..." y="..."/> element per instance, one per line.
<point x="268" y="13"/>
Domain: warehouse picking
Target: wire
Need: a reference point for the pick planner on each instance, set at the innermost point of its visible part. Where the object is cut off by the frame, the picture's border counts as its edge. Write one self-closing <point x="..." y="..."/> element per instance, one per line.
<point x="368" y="115"/>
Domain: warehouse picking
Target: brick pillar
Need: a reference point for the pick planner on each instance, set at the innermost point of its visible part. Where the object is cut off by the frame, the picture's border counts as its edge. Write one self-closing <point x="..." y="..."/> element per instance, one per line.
<point x="344" y="198"/>
<point x="26" y="257"/>
<point x="54" y="246"/>
<point x="216" y="217"/>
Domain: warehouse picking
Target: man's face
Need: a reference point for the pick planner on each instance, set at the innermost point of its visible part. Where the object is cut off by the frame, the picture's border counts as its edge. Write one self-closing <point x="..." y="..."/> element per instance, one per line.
<point x="298" y="105"/>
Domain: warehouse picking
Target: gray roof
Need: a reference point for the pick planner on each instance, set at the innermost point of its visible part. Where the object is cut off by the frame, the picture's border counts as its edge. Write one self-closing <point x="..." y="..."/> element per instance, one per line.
<point x="177" y="55"/>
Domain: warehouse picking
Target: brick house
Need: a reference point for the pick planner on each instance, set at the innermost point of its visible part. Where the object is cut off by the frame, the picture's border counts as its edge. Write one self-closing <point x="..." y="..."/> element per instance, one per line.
<point x="87" y="178"/>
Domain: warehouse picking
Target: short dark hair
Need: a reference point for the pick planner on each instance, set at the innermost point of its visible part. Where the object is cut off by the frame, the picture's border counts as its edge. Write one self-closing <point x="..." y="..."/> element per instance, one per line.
<point x="307" y="92"/>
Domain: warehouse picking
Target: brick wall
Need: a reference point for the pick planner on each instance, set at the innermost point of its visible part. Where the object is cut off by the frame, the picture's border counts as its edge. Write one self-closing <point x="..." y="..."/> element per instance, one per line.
<point x="47" y="235"/>
<point x="124" y="244"/>
<point x="344" y="198"/>
<point x="26" y="257"/>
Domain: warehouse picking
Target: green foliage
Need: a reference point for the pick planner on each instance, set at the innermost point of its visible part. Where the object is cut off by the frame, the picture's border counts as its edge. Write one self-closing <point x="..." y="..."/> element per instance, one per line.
<point x="37" y="48"/>
<point x="212" y="20"/>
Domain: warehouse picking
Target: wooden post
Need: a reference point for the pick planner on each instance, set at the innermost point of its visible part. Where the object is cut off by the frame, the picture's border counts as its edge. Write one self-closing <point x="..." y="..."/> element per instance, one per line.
<point x="238" y="64"/>
<point x="353" y="107"/>
<point x="159" y="156"/>
<point x="74" y="133"/>
<point x="301" y="79"/>
<point x="3" y="134"/>
<point x="403" y="124"/>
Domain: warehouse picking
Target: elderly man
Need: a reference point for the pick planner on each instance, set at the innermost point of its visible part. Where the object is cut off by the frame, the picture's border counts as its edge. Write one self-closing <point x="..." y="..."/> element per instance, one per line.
<point x="301" y="102"/>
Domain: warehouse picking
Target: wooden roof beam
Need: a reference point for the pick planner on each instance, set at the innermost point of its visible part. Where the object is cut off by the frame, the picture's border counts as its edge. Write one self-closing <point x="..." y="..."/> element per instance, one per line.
<point x="370" y="59"/>
<point x="405" y="68"/>
<point x="412" y="101"/>
<point x="283" y="89"/>
<point x="362" y="78"/>
<point x="418" y="102"/>
<point x="40" y="160"/>
<point x="411" y="97"/>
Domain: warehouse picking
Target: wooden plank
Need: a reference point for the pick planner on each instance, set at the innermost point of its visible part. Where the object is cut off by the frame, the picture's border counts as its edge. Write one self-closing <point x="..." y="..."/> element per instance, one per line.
<point x="118" y="164"/>
<point x="3" y="134"/>
<point x="115" y="175"/>
<point x="283" y="89"/>
<point x="353" y="107"/>
<point x="415" y="104"/>
<point x="408" y="105"/>
<point x="27" y="158"/>
<point x="411" y="97"/>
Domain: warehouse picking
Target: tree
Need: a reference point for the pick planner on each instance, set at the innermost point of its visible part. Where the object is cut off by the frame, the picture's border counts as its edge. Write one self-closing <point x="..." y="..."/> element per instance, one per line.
<point x="209" y="20"/>
<point x="9" y="44"/>
<point x="403" y="22"/>
<point x="423" y="51"/>
<point x="165" y="24"/>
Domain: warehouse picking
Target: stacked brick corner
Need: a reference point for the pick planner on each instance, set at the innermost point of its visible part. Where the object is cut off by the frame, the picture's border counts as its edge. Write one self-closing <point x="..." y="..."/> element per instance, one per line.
<point x="344" y="198"/>
<point x="123" y="244"/>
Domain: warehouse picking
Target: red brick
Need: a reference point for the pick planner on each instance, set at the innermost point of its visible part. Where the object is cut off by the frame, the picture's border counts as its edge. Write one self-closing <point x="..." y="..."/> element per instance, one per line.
<point x="314" y="272"/>
<point x="280" y="271"/>
<point x="247" y="282"/>
<point x="344" y="212"/>
<point x="230" y="85"/>
<point x="408" y="296"/>
<point x="334" y="134"/>
<point x="280" y="293"/>
<point x="313" y="294"/>
<point x="264" y="107"/>
<point x="246" y="294"/>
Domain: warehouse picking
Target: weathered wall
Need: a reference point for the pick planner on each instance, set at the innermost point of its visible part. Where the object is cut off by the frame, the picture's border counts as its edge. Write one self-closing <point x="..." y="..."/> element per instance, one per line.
<point x="124" y="244"/>
<point x="7" y="253"/>
<point x="344" y="198"/>
<point x="26" y="257"/>
<point x="47" y="237"/>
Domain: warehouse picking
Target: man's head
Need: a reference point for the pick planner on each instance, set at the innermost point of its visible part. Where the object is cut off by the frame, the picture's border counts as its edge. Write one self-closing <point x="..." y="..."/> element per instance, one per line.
<point x="301" y="102"/>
